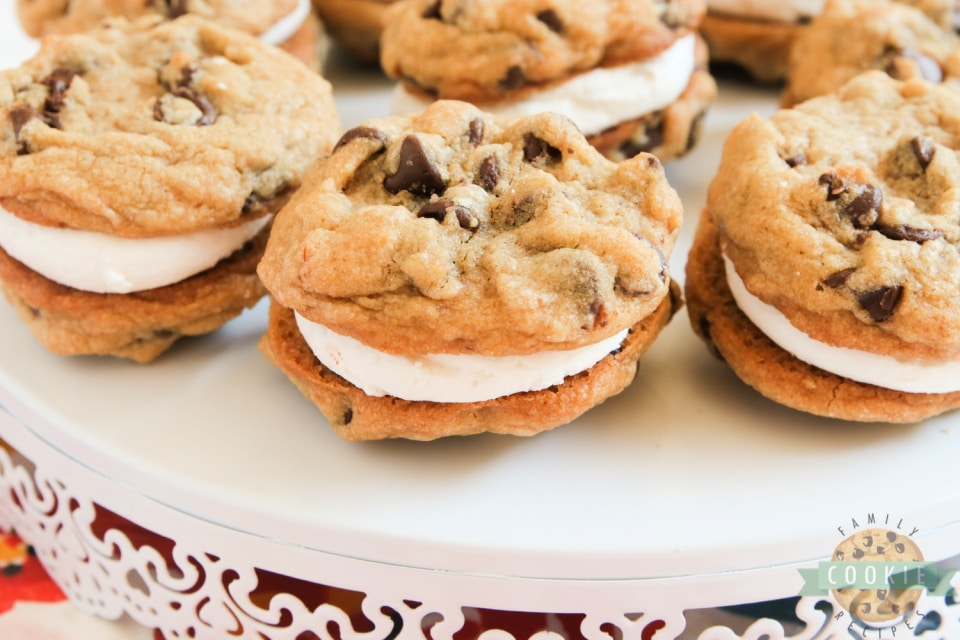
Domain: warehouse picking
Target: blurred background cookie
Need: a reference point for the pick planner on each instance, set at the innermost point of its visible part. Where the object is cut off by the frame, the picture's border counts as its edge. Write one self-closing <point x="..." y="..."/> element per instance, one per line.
<point x="355" y="25"/>
<point x="288" y="24"/>
<point x="631" y="75"/>
<point x="756" y="35"/>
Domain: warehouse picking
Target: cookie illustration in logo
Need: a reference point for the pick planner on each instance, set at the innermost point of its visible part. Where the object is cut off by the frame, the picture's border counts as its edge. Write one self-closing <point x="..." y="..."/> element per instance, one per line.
<point x="877" y="605"/>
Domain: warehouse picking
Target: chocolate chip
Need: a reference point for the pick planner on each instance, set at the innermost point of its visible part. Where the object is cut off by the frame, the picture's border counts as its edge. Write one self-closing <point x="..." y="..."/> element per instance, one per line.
<point x="900" y="547"/>
<point x="880" y="303"/>
<point x="864" y="209"/>
<point x="360" y="132"/>
<point x="19" y="116"/>
<point x="838" y="278"/>
<point x="514" y="79"/>
<point x="880" y="551"/>
<point x="653" y="134"/>
<point x="534" y="148"/>
<point x="175" y="8"/>
<point x="416" y="173"/>
<point x="433" y="12"/>
<point x="58" y="82"/>
<point x="868" y="541"/>
<point x="348" y="416"/>
<point x="835" y="185"/>
<point x="911" y="234"/>
<point x="796" y="159"/>
<point x="208" y="112"/>
<point x="858" y="553"/>
<point x="599" y="313"/>
<point x="929" y="68"/>
<point x="436" y="210"/>
<point x="550" y="18"/>
<point x="466" y="219"/>
<point x="866" y="607"/>
<point x="475" y="131"/>
<point x="489" y="173"/>
<point x="924" y="149"/>
<point x="891" y="536"/>
<point x="525" y="210"/>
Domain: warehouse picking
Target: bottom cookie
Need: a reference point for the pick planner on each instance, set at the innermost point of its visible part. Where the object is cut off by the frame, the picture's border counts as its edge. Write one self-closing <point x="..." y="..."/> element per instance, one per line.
<point x="137" y="326"/>
<point x="760" y="47"/>
<point x="774" y="372"/>
<point x="356" y="416"/>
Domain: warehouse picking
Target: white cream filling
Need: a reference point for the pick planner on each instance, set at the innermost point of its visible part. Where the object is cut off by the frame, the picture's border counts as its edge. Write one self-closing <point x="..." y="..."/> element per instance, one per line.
<point x="862" y="366"/>
<point x="781" y="10"/>
<point x="447" y="377"/>
<point x="99" y="262"/>
<point x="286" y="26"/>
<point x="598" y="99"/>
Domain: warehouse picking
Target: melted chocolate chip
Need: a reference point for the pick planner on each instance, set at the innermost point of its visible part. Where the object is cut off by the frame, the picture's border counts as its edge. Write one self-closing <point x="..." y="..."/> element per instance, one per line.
<point x="417" y="173"/>
<point x="436" y="210"/>
<point x="864" y="210"/>
<point x="466" y="219"/>
<point x="550" y="18"/>
<point x="19" y="116"/>
<point x="924" y="149"/>
<point x="348" y="416"/>
<point x="208" y="112"/>
<point x="838" y="278"/>
<point x="432" y="12"/>
<point x="796" y="160"/>
<point x="489" y="173"/>
<point x="534" y="147"/>
<point x="835" y="185"/>
<point x="175" y="8"/>
<point x="514" y="79"/>
<point x="910" y="234"/>
<point x="653" y="135"/>
<point x="360" y="132"/>
<point x="880" y="303"/>
<point x="475" y="131"/>
<point x="58" y="83"/>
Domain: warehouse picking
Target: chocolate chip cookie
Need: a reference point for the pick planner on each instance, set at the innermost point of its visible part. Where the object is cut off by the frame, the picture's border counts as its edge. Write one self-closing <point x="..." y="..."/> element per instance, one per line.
<point x="355" y="25"/>
<point x="288" y="24"/>
<point x="140" y="166"/>
<point x="826" y="266"/>
<point x="632" y="75"/>
<point x="453" y="244"/>
<point x="851" y="36"/>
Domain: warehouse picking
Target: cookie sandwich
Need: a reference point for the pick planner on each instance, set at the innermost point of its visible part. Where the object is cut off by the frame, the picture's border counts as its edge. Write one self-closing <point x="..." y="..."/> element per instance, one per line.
<point x="455" y="272"/>
<point x="288" y="24"/>
<point x="756" y="35"/>
<point x="140" y="167"/>
<point x="907" y="40"/>
<point x="355" y="25"/>
<point x="826" y="266"/>
<point x="631" y="75"/>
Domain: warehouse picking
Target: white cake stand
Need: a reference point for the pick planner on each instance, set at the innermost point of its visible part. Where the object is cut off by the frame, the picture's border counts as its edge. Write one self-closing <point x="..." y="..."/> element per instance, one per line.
<point x="204" y="497"/>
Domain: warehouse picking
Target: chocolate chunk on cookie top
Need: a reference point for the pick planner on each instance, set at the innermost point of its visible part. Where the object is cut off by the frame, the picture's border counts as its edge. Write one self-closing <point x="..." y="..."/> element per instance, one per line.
<point x="837" y="224"/>
<point x="457" y="257"/>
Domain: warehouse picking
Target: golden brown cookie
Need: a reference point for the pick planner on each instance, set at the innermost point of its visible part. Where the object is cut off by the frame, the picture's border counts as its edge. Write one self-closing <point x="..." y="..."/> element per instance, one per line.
<point x="852" y="36"/>
<point x="355" y="25"/>
<point x="191" y="135"/>
<point x="760" y="47"/>
<point x="835" y="214"/>
<point x="615" y="68"/>
<point x="457" y="233"/>
<point x="288" y="24"/>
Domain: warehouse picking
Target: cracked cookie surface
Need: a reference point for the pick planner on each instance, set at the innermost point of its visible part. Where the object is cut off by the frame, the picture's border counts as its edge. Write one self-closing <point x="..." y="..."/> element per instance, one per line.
<point x="456" y="232"/>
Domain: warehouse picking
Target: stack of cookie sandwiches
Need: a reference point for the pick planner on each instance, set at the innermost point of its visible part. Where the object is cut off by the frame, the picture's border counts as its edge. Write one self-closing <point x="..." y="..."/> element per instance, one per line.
<point x="288" y="24"/>
<point x="906" y="38"/>
<point x="455" y="272"/>
<point x="756" y="35"/>
<point x="826" y="267"/>
<point x="140" y="166"/>
<point x="631" y="75"/>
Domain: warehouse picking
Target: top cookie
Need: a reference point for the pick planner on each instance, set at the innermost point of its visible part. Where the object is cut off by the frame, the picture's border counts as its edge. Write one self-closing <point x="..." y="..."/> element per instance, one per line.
<point x="483" y="50"/>
<point x="842" y="213"/>
<point x="456" y="232"/>
<point x="851" y="36"/>
<point x="156" y="127"/>
<point x="45" y="17"/>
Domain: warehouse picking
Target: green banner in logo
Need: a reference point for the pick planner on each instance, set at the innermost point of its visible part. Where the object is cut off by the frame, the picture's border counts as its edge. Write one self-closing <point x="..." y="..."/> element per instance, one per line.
<point x="875" y="575"/>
